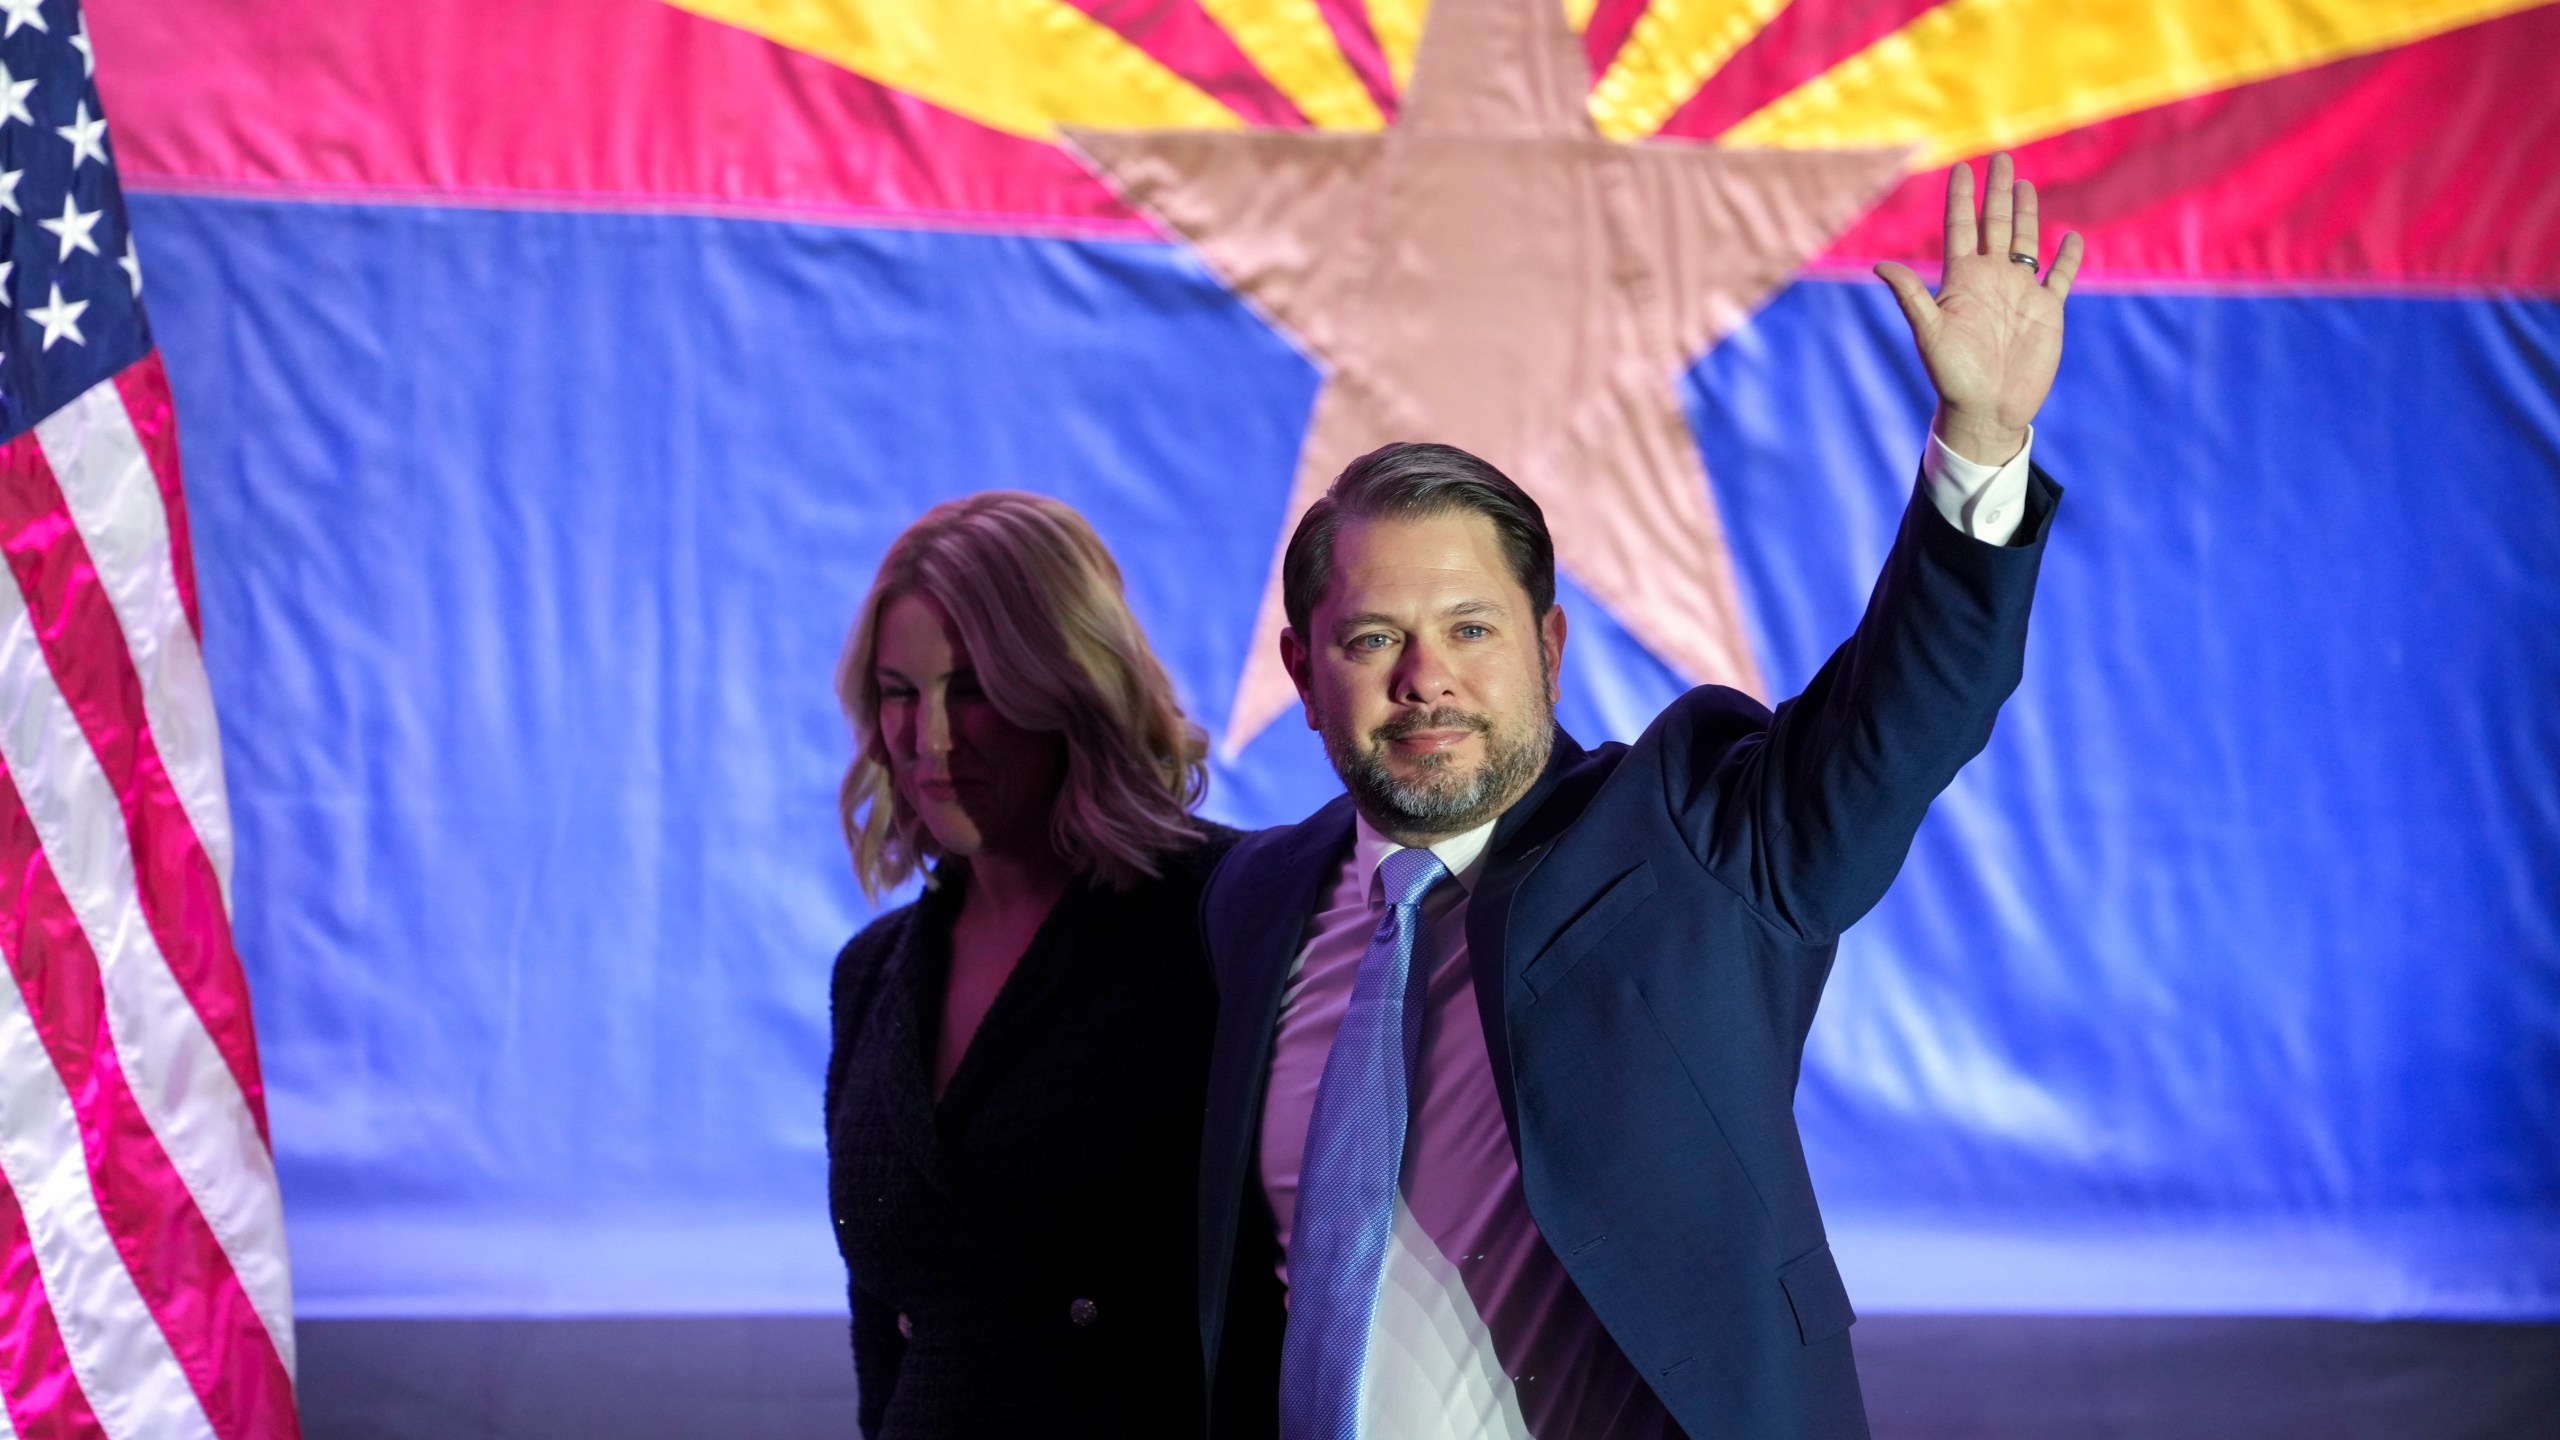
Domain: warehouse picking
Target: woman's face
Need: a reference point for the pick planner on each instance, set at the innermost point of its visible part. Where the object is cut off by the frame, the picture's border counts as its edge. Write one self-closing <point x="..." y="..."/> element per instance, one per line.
<point x="980" y="783"/>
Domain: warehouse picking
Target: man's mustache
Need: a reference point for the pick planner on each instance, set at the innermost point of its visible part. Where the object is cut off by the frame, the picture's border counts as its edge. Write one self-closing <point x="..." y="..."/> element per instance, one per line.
<point x="1443" y="718"/>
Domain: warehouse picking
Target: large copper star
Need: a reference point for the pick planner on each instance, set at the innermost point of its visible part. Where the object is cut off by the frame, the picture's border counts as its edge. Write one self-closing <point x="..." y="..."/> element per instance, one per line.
<point x="1491" y="273"/>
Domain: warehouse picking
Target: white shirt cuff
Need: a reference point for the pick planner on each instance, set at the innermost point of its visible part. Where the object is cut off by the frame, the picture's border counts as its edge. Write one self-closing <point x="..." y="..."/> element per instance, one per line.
<point x="1984" y="501"/>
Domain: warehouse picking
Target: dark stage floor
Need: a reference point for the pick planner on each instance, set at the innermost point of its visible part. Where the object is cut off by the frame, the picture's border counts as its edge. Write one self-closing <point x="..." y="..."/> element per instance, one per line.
<point x="1927" y="1378"/>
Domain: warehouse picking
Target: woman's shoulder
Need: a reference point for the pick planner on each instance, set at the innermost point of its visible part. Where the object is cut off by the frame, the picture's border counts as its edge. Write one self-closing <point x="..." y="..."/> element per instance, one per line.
<point x="880" y="936"/>
<point x="1189" y="867"/>
<point x="863" y="956"/>
<point x="1181" y="873"/>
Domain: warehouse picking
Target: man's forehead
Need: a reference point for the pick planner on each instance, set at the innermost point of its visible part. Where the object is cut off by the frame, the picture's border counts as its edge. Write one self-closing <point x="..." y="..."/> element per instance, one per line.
<point x="1446" y="559"/>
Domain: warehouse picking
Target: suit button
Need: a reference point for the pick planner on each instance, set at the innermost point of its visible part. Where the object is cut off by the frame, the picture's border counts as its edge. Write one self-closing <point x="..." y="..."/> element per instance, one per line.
<point x="1083" y="1312"/>
<point x="906" y="1327"/>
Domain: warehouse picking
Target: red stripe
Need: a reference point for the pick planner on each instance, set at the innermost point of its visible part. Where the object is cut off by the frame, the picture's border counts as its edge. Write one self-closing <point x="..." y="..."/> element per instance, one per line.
<point x="42" y="1395"/>
<point x="1798" y="43"/>
<point x="2423" y="165"/>
<point x="606" y="102"/>
<point x="144" y="386"/>
<point x="1349" y="21"/>
<point x="1605" y="33"/>
<point x="1181" y="34"/>
<point x="176" y="1263"/>
<point x="84" y="646"/>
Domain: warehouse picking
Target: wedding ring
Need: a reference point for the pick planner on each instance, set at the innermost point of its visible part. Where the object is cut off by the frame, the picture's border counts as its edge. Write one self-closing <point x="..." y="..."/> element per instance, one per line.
<point x="2027" y="260"/>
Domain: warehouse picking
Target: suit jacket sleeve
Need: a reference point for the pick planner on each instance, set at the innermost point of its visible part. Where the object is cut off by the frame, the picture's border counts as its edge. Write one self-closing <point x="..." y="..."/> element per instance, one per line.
<point x="878" y="1349"/>
<point x="1808" y="812"/>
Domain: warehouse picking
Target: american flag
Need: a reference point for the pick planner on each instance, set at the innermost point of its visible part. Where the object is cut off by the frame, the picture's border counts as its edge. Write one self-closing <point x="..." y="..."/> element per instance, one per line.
<point x="143" y="1281"/>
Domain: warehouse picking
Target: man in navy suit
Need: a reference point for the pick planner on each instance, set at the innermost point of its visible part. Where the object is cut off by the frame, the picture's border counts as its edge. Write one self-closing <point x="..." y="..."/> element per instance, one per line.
<point x="1501" y="1137"/>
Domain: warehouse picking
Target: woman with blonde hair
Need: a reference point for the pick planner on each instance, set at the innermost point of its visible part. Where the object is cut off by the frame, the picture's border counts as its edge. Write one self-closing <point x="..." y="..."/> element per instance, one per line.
<point x="1014" y="1100"/>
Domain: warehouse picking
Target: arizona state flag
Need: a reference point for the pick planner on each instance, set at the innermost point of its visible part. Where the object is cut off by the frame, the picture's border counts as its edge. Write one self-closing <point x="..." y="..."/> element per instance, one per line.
<point x="554" y="374"/>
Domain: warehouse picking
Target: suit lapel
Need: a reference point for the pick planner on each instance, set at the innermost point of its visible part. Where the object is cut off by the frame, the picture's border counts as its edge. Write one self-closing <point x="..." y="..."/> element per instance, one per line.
<point x="1254" y="933"/>
<point x="897" y="1029"/>
<point x="1028" y="1000"/>
<point x="1520" y="840"/>
<point x="1256" y="917"/>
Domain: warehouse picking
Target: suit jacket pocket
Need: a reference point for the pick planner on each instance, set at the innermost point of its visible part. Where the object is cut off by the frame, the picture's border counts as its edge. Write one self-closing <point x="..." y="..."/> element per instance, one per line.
<point x="1596" y="920"/>
<point x="1814" y="1291"/>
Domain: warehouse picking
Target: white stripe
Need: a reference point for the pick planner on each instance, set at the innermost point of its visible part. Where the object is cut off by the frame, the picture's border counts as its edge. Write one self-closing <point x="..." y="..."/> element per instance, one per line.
<point x="177" y="1075"/>
<point x="123" y="1362"/>
<point x="106" y="478"/>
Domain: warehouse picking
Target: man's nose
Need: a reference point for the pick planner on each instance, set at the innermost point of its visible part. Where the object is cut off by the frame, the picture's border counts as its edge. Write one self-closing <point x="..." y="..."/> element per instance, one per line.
<point x="1423" y="674"/>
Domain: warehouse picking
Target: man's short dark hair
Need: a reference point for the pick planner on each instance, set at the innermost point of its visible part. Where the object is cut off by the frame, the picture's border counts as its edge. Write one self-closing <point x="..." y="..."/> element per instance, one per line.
<point x="1408" y="481"/>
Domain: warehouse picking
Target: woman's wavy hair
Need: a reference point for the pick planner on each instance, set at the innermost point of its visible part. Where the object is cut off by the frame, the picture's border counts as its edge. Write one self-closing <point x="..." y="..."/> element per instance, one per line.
<point x="1037" y="601"/>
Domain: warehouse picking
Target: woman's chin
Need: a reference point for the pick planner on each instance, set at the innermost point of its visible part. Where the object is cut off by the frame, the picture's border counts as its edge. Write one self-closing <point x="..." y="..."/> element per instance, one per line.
<point x="954" y="833"/>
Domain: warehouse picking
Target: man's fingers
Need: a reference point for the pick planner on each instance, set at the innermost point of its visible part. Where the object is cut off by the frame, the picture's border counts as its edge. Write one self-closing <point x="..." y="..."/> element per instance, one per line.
<point x="1913" y="296"/>
<point x="1961" y="230"/>
<point x="2066" y="263"/>
<point x="2022" y="239"/>
<point x="1995" y="206"/>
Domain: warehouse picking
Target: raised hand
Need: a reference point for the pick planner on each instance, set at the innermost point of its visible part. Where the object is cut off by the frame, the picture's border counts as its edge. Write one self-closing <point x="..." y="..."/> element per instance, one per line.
<point x="1993" y="335"/>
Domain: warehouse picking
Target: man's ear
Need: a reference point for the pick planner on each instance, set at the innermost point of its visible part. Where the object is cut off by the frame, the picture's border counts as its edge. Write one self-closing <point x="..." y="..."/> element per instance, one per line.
<point x="1551" y="650"/>
<point x="1300" y="663"/>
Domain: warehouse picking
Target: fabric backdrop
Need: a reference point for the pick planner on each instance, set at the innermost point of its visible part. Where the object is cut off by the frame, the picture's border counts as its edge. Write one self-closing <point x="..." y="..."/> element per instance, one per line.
<point x="552" y="376"/>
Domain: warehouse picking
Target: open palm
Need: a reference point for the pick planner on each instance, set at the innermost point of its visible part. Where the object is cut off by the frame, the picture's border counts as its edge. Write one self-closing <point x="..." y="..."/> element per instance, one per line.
<point x="1992" y="336"/>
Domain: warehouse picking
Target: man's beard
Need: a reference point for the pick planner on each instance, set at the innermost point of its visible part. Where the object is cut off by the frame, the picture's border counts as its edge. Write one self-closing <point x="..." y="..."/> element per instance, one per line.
<point x="1443" y="800"/>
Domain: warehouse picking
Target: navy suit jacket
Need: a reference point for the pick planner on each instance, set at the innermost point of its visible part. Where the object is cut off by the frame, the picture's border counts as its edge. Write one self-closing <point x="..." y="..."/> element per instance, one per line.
<point x="1650" y="931"/>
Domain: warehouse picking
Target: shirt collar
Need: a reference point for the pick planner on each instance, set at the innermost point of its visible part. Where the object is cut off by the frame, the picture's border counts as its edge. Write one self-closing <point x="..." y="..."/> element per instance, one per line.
<point x="1459" y="852"/>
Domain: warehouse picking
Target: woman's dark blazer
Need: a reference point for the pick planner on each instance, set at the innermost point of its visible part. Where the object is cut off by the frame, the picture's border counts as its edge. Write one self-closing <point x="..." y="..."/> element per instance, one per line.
<point x="1021" y="1253"/>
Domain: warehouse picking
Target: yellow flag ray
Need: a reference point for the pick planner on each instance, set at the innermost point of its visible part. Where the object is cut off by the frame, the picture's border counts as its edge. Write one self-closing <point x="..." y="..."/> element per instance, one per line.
<point x="1021" y="66"/>
<point x="1674" y="47"/>
<point x="1398" y="26"/>
<point x="1293" y="47"/>
<point x="1577" y="13"/>
<point x="1978" y="75"/>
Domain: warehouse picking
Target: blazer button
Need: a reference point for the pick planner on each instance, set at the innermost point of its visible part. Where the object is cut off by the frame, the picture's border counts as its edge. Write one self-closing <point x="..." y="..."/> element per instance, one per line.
<point x="906" y="1327"/>
<point x="1083" y="1312"/>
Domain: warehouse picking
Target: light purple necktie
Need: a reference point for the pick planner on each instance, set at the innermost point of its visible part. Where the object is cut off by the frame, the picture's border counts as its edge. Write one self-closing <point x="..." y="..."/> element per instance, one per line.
<point x="1354" y="1160"/>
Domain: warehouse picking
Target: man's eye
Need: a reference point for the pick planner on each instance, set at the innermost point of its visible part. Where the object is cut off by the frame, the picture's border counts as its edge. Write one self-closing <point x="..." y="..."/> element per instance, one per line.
<point x="1473" y="632"/>
<point x="1370" y="642"/>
